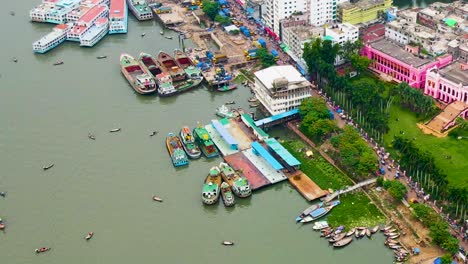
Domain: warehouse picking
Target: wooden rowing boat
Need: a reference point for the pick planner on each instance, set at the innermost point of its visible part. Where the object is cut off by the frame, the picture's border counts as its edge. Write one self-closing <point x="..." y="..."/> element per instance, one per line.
<point x="343" y="242"/>
<point x="351" y="232"/>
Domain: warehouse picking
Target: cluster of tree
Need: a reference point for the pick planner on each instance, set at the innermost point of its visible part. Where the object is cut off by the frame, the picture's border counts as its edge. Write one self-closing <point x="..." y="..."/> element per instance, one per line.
<point x="211" y="9"/>
<point x="439" y="230"/>
<point x="363" y="95"/>
<point x="266" y="58"/>
<point x="396" y="189"/>
<point x="316" y="122"/>
<point x="354" y="154"/>
<point x="415" y="100"/>
<point x="423" y="163"/>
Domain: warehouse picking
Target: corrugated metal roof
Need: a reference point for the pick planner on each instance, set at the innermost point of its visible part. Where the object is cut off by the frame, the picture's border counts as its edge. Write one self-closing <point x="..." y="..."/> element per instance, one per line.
<point x="276" y="117"/>
<point x="266" y="155"/>
<point x="282" y="152"/>
<point x="251" y="122"/>
<point x="224" y="133"/>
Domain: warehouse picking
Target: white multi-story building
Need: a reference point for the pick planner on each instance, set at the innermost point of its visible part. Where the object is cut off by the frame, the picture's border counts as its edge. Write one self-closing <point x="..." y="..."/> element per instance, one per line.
<point x="341" y="33"/>
<point x="281" y="88"/>
<point x="276" y="10"/>
<point x="296" y="36"/>
<point x="323" y="11"/>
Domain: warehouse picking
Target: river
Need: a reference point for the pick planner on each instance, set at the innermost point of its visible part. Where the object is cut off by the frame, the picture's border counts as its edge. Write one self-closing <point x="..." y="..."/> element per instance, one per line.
<point x="106" y="185"/>
<point x="417" y="3"/>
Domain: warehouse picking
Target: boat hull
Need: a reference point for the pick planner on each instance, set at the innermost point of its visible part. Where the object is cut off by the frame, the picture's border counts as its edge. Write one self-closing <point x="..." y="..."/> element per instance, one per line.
<point x="177" y="154"/>
<point x="132" y="84"/>
<point x="193" y="154"/>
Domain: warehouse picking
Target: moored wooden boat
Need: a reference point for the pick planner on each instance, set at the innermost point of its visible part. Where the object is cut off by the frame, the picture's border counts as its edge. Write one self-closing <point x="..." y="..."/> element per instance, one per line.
<point x="188" y="142"/>
<point x="187" y="65"/>
<point x="337" y="238"/>
<point x="227" y="87"/>
<point x="176" y="150"/>
<point x="390" y="234"/>
<point x="350" y="232"/>
<point x="320" y="225"/>
<point x="374" y="229"/>
<point x="211" y="187"/>
<point x="150" y="64"/>
<point x="343" y="242"/>
<point x="394" y="236"/>
<point x="138" y="78"/>
<point x="368" y="232"/>
<point x="320" y="212"/>
<point x="157" y="199"/>
<point x="227" y="195"/>
<point x="170" y="65"/>
<point x="115" y="130"/>
<point x="309" y="210"/>
<point x="206" y="144"/>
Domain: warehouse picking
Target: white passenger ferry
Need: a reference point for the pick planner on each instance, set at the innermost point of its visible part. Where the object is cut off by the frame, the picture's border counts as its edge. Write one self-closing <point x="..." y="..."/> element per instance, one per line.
<point x="95" y="33"/>
<point x="84" y="24"/>
<point x="53" y="39"/>
<point x="53" y="11"/>
<point x="140" y="9"/>
<point x="118" y="16"/>
<point x="84" y="7"/>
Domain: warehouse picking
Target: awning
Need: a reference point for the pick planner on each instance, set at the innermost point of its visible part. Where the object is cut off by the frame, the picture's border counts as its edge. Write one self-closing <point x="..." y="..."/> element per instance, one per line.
<point x="271" y="33"/>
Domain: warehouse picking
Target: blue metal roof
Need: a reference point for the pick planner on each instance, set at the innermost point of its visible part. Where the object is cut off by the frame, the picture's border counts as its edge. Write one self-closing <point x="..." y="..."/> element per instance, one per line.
<point x="282" y="152"/>
<point x="267" y="156"/>
<point x="223" y="132"/>
<point x="276" y="117"/>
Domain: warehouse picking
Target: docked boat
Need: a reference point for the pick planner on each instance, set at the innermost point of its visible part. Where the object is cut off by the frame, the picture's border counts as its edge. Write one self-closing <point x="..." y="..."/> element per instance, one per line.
<point x="86" y="23"/>
<point x="176" y="151"/>
<point x="368" y="232"/>
<point x="95" y="33"/>
<point x="140" y="9"/>
<point x="394" y="236"/>
<point x="390" y="234"/>
<point x="350" y="232"/>
<point x="309" y="210"/>
<point x="223" y="111"/>
<point x="374" y="229"/>
<point x="205" y="142"/>
<point x="227" y="195"/>
<point x="118" y="17"/>
<point x="151" y="65"/>
<point x="227" y="87"/>
<point x="337" y="238"/>
<point x="140" y="81"/>
<point x="239" y="185"/>
<point x="89" y="235"/>
<point x="252" y="100"/>
<point x="188" y="142"/>
<point x="53" y="11"/>
<point x="320" y="225"/>
<point x="165" y="86"/>
<point x="211" y="187"/>
<point x="320" y="212"/>
<point x="253" y="105"/>
<point x="343" y="242"/>
<point x="53" y="39"/>
<point x="187" y="65"/>
<point x="170" y="65"/>
<point x="42" y="250"/>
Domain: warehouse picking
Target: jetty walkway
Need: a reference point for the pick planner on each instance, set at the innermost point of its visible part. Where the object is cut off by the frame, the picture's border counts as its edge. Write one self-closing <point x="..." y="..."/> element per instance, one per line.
<point x="333" y="195"/>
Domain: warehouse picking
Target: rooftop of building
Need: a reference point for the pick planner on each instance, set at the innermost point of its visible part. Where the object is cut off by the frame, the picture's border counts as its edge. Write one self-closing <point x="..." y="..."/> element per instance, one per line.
<point x="373" y="33"/>
<point x="363" y="4"/>
<point x="302" y="32"/>
<point x="399" y="53"/>
<point x="454" y="73"/>
<point x="341" y="28"/>
<point x="269" y="75"/>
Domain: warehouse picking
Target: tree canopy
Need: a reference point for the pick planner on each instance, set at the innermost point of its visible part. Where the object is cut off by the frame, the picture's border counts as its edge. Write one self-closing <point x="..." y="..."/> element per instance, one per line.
<point x="396" y="189"/>
<point x="266" y="58"/>
<point x="415" y="100"/>
<point x="316" y="121"/>
<point x="211" y="9"/>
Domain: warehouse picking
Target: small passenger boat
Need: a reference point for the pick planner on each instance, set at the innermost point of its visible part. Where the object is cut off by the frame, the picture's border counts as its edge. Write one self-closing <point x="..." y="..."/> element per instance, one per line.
<point x="211" y="186"/>
<point x="394" y="236"/>
<point x="3" y="194"/>
<point x="320" y="225"/>
<point x="189" y="144"/>
<point x="227" y="195"/>
<point x="254" y="105"/>
<point x="368" y="232"/>
<point x="226" y="87"/>
<point x="320" y="212"/>
<point x="390" y="234"/>
<point x="2" y="224"/>
<point x="143" y="34"/>
<point x="168" y="37"/>
<point x="101" y="57"/>
<point x="154" y="133"/>
<point x="115" y="130"/>
<point x="48" y="167"/>
<point x="176" y="150"/>
<point x="309" y="210"/>
<point x="337" y="238"/>
<point x="343" y="242"/>
<point x="252" y="99"/>
<point x="230" y="102"/>
<point x="223" y="111"/>
<point x="157" y="199"/>
<point x="161" y="32"/>
<point x="89" y="235"/>
<point x="227" y="243"/>
<point x="58" y="63"/>
<point x="42" y="250"/>
<point x="91" y="136"/>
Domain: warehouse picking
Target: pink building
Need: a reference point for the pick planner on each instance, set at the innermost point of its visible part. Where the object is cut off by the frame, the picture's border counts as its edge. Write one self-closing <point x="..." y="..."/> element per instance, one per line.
<point x="448" y="84"/>
<point x="401" y="64"/>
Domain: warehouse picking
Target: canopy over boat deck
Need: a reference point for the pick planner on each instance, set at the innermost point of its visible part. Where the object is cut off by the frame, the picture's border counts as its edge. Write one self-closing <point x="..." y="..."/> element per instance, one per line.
<point x="258" y="132"/>
<point x="232" y="142"/>
<point x="282" y="153"/>
<point x="258" y="149"/>
<point x="277" y="119"/>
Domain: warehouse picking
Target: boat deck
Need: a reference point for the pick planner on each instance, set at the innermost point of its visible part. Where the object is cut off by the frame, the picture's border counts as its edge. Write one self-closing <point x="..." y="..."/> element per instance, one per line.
<point x="305" y="186"/>
<point x="265" y="168"/>
<point x="239" y="161"/>
<point x="220" y="142"/>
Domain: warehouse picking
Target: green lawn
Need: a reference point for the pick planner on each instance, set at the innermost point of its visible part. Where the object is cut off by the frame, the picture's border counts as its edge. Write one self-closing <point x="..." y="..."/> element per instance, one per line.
<point x="455" y="168"/>
<point x="317" y="168"/>
<point x="355" y="210"/>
